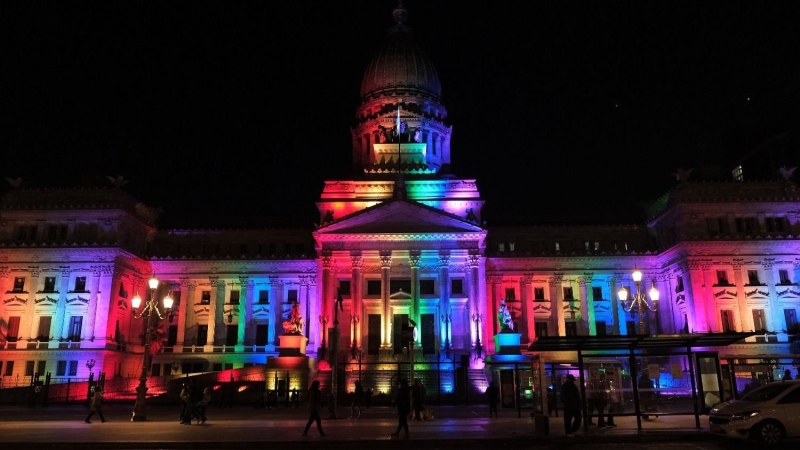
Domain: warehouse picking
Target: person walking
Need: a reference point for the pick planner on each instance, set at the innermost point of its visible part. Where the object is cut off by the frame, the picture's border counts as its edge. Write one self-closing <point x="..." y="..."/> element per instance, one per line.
<point x="571" y="398"/>
<point x="295" y="397"/>
<point x="491" y="395"/>
<point x="403" y="402"/>
<point x="314" y="408"/>
<point x="96" y="406"/>
<point x="202" y="404"/>
<point x="358" y="396"/>
<point x="418" y="399"/>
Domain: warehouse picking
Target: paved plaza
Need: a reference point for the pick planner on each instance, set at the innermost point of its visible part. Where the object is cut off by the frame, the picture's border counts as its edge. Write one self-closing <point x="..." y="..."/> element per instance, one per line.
<point x="461" y="426"/>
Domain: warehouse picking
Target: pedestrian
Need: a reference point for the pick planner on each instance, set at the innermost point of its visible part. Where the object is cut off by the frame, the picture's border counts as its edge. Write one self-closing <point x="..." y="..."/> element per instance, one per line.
<point x="295" y="397"/>
<point x="203" y="404"/>
<point x="418" y="399"/>
<point x="597" y="400"/>
<point x="403" y="401"/>
<point x="787" y="375"/>
<point x="552" y="407"/>
<point x="190" y="396"/>
<point x="358" y="396"/>
<point x="314" y="407"/>
<point x="646" y="394"/>
<point x="614" y="404"/>
<point x="96" y="406"/>
<point x="491" y="395"/>
<point x="571" y="398"/>
<point x="368" y="397"/>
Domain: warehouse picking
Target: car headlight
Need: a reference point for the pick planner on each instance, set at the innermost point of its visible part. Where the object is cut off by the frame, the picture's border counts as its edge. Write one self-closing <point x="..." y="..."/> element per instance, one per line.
<point x="744" y="415"/>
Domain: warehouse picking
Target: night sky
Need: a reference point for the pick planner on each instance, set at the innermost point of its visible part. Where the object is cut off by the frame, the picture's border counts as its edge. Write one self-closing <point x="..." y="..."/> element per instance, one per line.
<point x="228" y="109"/>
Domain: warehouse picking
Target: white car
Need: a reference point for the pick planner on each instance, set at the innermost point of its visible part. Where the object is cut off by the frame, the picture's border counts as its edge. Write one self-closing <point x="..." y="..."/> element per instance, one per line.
<point x="768" y="414"/>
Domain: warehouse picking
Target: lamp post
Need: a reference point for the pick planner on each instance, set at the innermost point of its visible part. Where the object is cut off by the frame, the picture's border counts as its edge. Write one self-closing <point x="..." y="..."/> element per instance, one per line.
<point x="149" y="312"/>
<point x="477" y="318"/>
<point x="639" y="299"/>
<point x="446" y="321"/>
<point x="354" y="347"/>
<point x="90" y="365"/>
<point x="323" y="349"/>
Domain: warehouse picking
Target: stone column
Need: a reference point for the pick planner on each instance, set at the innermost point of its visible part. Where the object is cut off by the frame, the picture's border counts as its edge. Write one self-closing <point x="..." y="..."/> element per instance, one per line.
<point x="413" y="264"/>
<point x="60" y="319"/>
<point x="494" y="291"/>
<point x="557" y="304"/>
<point x="745" y="318"/>
<point x="777" y="316"/>
<point x="212" y="312"/>
<point x="695" y="301"/>
<point x="473" y="265"/>
<point x="386" y="267"/>
<point x="94" y="299"/>
<point x="526" y="300"/>
<point x="187" y="318"/>
<point x="276" y="328"/>
<point x="357" y="261"/>
<point x="104" y="299"/>
<point x="587" y="304"/>
<point x="619" y="327"/>
<point x="245" y="307"/>
<point x="325" y="291"/>
<point x="445" y="330"/>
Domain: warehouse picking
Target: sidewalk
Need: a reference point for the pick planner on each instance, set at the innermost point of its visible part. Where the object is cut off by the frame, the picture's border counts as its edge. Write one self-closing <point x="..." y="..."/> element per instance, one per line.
<point x="245" y="427"/>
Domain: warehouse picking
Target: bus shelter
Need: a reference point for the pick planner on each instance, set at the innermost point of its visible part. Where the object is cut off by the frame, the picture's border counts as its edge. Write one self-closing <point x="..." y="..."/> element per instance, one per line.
<point x="637" y="375"/>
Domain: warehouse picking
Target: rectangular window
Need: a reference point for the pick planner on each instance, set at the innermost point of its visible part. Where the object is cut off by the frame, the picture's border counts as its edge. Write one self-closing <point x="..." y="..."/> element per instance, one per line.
<point x="571" y="328"/>
<point x="373" y="334"/>
<point x="774" y="224"/>
<point x="56" y="232"/>
<point x="396" y="286"/>
<point x="41" y="367"/>
<point x="61" y="369"/>
<point x="49" y="284"/>
<point x="344" y="287"/>
<point x="80" y="284"/>
<point x="790" y="315"/>
<point x="457" y="287"/>
<point x="783" y="274"/>
<point x="292" y="298"/>
<point x="172" y="337"/>
<point x="373" y="287"/>
<point x="122" y="292"/>
<point x="428" y="333"/>
<point x="557" y="247"/>
<point x="263" y="297"/>
<point x="759" y="323"/>
<point x="9" y="369"/>
<point x="29" y="366"/>
<point x="44" y="328"/>
<point x="19" y="284"/>
<point x="510" y="294"/>
<point x="202" y="334"/>
<point x="600" y="327"/>
<point x="679" y="284"/>
<point x="722" y="278"/>
<point x="568" y="293"/>
<point x="205" y="298"/>
<point x="75" y="326"/>
<point x="398" y="326"/>
<point x="234" y="297"/>
<point x="512" y="246"/>
<point x="12" y="333"/>
<point x="728" y="323"/>
<point x="73" y="368"/>
<point x="587" y="245"/>
<point x="752" y="277"/>
<point x="262" y="334"/>
<point x="597" y="293"/>
<point x="427" y="287"/>
<point x="596" y="246"/>
<point x="231" y="334"/>
<point x="538" y="294"/>
<point x="176" y="298"/>
<point x="27" y="233"/>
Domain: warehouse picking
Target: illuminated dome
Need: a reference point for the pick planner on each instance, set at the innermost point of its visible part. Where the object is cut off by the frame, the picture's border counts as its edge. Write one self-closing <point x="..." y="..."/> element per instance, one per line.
<point x="400" y="67"/>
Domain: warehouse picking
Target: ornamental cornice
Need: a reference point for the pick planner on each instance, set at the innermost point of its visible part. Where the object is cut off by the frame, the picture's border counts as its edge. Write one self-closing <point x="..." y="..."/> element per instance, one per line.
<point x="402" y="237"/>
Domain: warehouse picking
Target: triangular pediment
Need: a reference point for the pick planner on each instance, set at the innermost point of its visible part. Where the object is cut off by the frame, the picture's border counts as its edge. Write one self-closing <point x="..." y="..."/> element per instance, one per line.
<point x="400" y="216"/>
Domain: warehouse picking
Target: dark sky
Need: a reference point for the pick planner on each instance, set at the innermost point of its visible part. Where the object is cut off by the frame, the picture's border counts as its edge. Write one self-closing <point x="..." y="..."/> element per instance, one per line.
<point x="244" y="108"/>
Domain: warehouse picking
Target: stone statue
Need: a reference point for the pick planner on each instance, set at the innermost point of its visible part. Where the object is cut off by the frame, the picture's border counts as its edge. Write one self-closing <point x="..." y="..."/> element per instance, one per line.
<point x="504" y="317"/>
<point x="294" y="325"/>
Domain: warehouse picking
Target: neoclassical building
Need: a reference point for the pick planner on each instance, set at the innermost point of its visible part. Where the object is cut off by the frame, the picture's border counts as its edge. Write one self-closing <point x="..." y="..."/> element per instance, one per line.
<point x="402" y="264"/>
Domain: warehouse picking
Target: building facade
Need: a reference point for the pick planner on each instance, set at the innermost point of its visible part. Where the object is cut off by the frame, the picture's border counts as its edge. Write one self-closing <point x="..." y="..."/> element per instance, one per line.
<point x="399" y="262"/>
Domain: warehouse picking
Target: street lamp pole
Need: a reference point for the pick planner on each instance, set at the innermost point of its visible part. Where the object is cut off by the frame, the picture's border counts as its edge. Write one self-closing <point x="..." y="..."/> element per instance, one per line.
<point x="90" y="365"/>
<point x="149" y="312"/>
<point x="639" y="300"/>
<point x="477" y="318"/>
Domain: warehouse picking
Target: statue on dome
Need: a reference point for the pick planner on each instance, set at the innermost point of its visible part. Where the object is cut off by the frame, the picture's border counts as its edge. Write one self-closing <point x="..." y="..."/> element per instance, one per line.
<point x="294" y="325"/>
<point x="418" y="135"/>
<point x="504" y="318"/>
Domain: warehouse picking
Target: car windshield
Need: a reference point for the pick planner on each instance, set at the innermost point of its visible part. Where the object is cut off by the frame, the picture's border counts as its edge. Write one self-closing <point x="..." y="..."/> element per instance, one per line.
<point x="766" y="392"/>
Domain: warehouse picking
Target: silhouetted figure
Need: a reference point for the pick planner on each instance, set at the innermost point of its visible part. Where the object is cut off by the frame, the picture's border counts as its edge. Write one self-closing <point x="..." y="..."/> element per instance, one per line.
<point x="491" y="395"/>
<point x="96" y="406"/>
<point x="571" y="398"/>
<point x="314" y="408"/>
<point x="403" y="402"/>
<point x="358" y="398"/>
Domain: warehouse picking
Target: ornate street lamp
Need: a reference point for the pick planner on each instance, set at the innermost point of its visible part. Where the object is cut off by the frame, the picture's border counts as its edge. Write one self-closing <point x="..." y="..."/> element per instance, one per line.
<point x="90" y="365"/>
<point x="446" y="321"/>
<point x="149" y="312"/>
<point x="639" y="300"/>
<point x="477" y="318"/>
